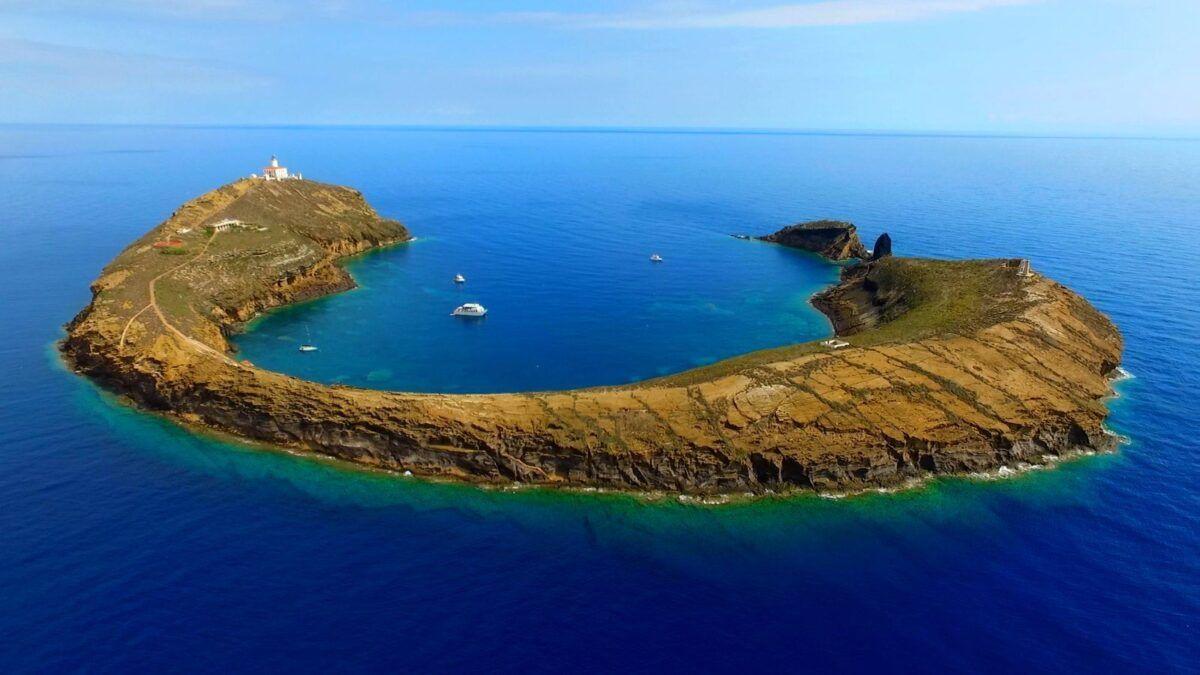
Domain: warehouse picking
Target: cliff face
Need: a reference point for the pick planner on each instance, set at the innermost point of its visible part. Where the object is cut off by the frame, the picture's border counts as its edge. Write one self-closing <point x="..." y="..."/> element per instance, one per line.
<point x="952" y="367"/>
<point x="833" y="239"/>
<point x="245" y="247"/>
<point x="883" y="247"/>
<point x="860" y="302"/>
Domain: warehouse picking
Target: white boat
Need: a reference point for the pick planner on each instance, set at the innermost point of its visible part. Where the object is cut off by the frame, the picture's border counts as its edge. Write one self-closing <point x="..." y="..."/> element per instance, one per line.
<point x="460" y="279"/>
<point x="656" y="258"/>
<point x="308" y="346"/>
<point x="469" y="309"/>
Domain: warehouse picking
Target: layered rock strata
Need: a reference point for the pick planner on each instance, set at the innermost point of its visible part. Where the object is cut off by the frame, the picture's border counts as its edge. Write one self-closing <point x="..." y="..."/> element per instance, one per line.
<point x="951" y="367"/>
<point x="833" y="239"/>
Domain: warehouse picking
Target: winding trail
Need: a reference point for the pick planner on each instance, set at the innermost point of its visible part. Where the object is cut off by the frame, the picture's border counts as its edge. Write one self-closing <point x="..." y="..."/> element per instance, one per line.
<point x="979" y="369"/>
<point x="162" y="317"/>
<point x="129" y="323"/>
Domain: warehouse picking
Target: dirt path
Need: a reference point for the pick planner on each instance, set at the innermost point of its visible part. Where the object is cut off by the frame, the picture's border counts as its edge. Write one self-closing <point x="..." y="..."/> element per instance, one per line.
<point x="162" y="317"/>
<point x="130" y="323"/>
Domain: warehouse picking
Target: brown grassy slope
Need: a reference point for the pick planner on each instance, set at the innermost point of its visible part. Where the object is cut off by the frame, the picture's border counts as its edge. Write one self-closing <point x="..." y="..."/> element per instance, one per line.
<point x="965" y="366"/>
<point x="291" y="232"/>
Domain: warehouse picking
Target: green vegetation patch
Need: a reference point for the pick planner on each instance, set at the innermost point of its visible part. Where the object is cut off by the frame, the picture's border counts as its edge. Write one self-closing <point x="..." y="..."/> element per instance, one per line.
<point x="942" y="297"/>
<point x="923" y="298"/>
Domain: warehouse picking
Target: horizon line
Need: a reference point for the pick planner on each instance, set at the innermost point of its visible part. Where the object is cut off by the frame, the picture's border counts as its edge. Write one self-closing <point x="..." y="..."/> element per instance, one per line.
<point x="634" y="129"/>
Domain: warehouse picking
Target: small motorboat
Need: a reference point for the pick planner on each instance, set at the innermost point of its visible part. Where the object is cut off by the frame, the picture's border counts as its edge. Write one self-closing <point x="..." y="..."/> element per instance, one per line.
<point x="740" y="236"/>
<point x="308" y="346"/>
<point x="460" y="279"/>
<point x="656" y="258"/>
<point x="469" y="309"/>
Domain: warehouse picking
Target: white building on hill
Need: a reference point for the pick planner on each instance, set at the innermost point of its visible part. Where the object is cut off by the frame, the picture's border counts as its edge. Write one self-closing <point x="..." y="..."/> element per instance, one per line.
<point x="275" y="172"/>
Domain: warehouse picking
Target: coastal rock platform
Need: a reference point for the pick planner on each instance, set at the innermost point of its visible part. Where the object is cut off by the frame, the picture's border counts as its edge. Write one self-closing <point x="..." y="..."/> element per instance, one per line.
<point x="948" y="367"/>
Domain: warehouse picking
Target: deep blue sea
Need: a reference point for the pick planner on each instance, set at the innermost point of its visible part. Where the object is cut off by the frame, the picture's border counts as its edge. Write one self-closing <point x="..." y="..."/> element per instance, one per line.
<point x="130" y="545"/>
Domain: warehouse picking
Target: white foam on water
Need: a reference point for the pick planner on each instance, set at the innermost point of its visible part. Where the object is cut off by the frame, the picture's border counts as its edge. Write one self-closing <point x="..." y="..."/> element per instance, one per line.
<point x="1121" y="438"/>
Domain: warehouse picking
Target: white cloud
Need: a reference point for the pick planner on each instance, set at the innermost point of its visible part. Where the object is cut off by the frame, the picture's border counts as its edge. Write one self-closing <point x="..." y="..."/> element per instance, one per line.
<point x="664" y="15"/>
<point x="707" y="15"/>
<point x="183" y="10"/>
<point x="798" y="15"/>
<point x="26" y="64"/>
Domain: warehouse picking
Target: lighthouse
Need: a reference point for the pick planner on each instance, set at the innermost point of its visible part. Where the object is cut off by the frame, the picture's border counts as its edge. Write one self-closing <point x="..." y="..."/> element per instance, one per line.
<point x="275" y="172"/>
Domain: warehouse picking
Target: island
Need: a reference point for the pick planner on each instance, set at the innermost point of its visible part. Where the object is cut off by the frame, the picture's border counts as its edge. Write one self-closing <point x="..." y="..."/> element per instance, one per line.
<point x="938" y="367"/>
<point x="834" y="239"/>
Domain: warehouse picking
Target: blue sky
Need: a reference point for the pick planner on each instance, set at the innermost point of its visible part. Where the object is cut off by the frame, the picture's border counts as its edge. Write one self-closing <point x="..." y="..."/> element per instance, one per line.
<point x="1003" y="66"/>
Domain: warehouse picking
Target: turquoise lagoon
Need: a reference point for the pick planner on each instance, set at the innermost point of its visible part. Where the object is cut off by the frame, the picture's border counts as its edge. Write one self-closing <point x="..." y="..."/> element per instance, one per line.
<point x="128" y="543"/>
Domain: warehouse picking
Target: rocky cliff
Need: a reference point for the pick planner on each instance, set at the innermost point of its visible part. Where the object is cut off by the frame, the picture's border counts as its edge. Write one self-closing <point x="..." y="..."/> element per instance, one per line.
<point x="951" y="367"/>
<point x="833" y="239"/>
<point x="883" y="247"/>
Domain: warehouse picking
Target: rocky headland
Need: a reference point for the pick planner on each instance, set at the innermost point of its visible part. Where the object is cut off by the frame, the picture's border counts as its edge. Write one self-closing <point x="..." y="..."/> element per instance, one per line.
<point x="834" y="239"/>
<point x="947" y="367"/>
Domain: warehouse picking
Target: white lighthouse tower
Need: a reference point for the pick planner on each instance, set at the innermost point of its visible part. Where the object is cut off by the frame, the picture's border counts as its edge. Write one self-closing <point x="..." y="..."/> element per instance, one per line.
<point x="275" y="172"/>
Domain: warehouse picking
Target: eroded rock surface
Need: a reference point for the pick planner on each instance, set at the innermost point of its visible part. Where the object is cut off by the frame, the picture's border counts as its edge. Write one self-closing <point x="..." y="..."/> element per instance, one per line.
<point x="833" y="239"/>
<point x="883" y="247"/>
<point x="952" y="367"/>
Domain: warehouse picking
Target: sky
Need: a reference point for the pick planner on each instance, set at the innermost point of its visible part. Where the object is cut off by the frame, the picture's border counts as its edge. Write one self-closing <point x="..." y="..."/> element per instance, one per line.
<point x="1124" y="67"/>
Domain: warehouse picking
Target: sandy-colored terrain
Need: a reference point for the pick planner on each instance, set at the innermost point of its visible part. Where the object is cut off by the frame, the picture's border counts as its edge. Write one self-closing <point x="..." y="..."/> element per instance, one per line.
<point x="952" y="367"/>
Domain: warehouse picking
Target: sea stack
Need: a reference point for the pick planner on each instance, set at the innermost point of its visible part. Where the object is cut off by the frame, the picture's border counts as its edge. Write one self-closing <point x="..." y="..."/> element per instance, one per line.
<point x="883" y="247"/>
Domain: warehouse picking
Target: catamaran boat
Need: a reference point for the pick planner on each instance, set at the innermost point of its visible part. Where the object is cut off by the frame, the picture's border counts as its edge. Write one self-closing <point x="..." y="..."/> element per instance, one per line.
<point x="469" y="309"/>
<point x="656" y="258"/>
<point x="460" y="279"/>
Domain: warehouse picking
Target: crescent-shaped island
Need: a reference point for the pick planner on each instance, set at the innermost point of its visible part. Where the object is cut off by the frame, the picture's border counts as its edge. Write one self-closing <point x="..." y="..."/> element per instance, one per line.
<point x="939" y="367"/>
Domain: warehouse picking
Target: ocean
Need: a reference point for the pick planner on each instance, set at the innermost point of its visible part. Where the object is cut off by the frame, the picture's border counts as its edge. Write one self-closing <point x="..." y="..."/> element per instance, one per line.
<point x="129" y="544"/>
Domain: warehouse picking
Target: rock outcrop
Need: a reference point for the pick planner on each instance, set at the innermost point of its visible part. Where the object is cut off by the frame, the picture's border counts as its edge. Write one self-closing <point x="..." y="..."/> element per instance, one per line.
<point x="951" y="367"/>
<point x="883" y="247"/>
<point x="833" y="239"/>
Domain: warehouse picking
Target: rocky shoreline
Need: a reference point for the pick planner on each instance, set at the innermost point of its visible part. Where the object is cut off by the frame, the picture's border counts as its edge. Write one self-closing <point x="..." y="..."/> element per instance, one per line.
<point x="834" y="239"/>
<point x="951" y="368"/>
